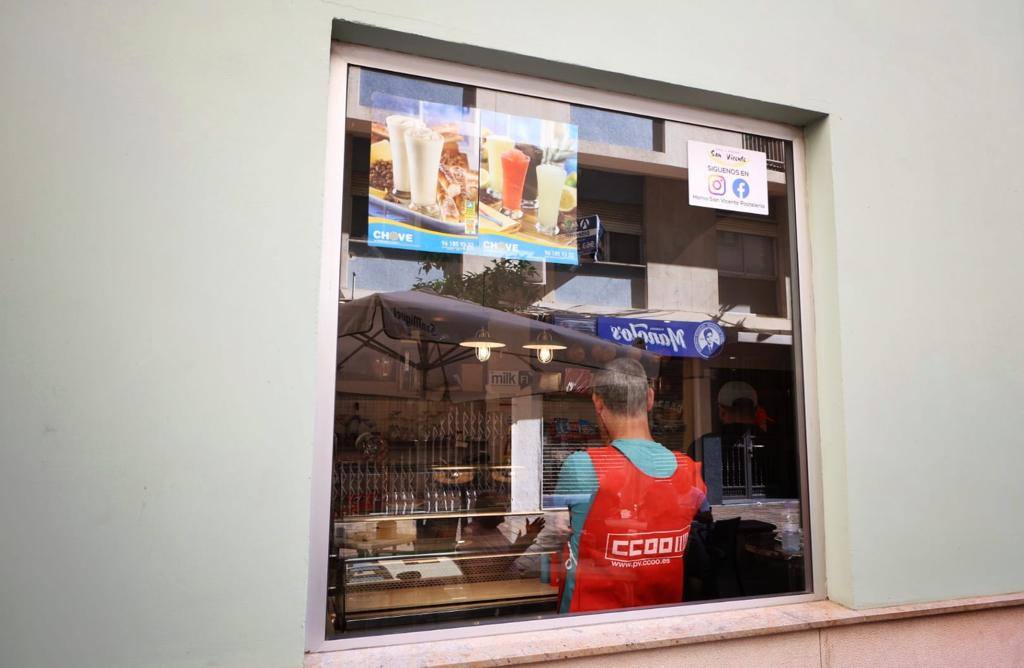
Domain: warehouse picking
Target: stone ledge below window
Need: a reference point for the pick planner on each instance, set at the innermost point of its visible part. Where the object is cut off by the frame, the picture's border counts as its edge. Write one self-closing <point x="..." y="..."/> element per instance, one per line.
<point x="623" y="636"/>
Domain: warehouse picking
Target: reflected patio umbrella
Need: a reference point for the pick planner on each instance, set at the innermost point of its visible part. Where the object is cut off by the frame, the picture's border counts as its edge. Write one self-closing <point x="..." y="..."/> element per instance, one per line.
<point x="423" y="331"/>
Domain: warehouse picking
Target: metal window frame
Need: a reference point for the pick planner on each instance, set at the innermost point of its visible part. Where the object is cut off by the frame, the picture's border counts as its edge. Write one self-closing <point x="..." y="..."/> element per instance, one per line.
<point x="344" y="55"/>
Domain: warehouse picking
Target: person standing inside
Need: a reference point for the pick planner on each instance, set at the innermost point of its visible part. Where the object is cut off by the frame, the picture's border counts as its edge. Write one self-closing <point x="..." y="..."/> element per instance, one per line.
<point x="631" y="505"/>
<point x="745" y="431"/>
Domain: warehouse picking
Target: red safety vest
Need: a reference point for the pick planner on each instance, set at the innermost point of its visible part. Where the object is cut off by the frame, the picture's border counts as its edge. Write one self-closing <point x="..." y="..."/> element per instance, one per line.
<point x="632" y="542"/>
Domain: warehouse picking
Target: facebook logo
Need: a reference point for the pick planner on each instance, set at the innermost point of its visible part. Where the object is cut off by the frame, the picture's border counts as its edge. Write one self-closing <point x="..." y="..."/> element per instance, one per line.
<point x="740" y="188"/>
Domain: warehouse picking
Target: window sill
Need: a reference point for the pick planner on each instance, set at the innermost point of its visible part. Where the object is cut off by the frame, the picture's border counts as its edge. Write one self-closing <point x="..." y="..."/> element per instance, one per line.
<point x="597" y="639"/>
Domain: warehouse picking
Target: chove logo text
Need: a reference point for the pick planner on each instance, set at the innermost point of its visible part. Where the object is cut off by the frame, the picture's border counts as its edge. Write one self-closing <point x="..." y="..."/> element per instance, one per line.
<point x="388" y="235"/>
<point x="646" y="545"/>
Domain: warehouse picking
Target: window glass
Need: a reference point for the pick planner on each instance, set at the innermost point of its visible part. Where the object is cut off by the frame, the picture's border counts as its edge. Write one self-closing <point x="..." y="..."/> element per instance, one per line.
<point x="750" y="255"/>
<point x="730" y="252"/>
<point x="612" y="127"/>
<point x="625" y="248"/>
<point x="602" y="286"/>
<point x="538" y="410"/>
<point x="597" y="185"/>
<point x="748" y="295"/>
<point x="374" y="85"/>
<point x="758" y="256"/>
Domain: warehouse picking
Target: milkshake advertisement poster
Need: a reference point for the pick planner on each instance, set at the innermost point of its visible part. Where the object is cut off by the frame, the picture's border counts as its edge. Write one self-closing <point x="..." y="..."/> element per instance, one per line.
<point x="527" y="188"/>
<point x="428" y="190"/>
<point x="424" y="176"/>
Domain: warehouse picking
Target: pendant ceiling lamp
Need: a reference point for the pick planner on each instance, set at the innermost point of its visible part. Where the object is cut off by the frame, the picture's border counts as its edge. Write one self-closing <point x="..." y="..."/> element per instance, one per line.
<point x="483" y="343"/>
<point x="545" y="346"/>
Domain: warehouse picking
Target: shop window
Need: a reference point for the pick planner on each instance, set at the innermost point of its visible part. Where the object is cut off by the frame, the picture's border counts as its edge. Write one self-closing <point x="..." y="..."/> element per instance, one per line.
<point x="377" y="87"/>
<point x="610" y="127"/>
<point x="623" y="248"/>
<point x="532" y="418"/>
<point x="746" y="295"/>
<point x="747" y="273"/>
<point x="614" y="277"/>
<point x="600" y="285"/>
<point x="746" y="255"/>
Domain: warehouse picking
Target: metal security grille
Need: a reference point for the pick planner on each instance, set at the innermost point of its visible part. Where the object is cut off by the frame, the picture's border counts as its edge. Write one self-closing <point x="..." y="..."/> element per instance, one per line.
<point x="404" y="457"/>
<point x="744" y="465"/>
<point x="775" y="149"/>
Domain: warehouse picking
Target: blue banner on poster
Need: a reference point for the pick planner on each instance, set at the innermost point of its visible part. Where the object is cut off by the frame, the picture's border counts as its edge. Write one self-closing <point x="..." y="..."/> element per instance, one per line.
<point x="391" y="234"/>
<point x="703" y="340"/>
<point x="391" y="226"/>
<point x="517" y="248"/>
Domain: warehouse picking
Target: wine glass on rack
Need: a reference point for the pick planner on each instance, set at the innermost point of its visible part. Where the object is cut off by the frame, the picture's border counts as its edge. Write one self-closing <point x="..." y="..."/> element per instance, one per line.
<point x="388" y="498"/>
<point x="408" y="498"/>
<point x="431" y="497"/>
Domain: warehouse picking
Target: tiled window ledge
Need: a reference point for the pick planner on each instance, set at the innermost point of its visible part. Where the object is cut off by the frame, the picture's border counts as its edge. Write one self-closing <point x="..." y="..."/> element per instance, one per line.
<point x="595" y="639"/>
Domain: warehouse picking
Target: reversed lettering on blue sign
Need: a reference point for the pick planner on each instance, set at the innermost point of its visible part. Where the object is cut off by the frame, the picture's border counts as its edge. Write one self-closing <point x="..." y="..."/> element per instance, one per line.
<point x="665" y="337"/>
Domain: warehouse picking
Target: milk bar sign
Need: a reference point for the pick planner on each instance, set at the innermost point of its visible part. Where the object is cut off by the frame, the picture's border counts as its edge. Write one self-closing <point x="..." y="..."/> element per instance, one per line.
<point x="518" y="379"/>
<point x="723" y="177"/>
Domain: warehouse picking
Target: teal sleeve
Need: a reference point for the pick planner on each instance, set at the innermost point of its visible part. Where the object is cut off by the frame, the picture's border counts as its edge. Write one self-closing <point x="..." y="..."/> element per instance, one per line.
<point x="577" y="485"/>
<point x="577" y="475"/>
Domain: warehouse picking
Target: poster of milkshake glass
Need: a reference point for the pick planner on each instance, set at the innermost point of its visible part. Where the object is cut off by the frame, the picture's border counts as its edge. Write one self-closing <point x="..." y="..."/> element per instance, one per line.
<point x="429" y="191"/>
<point x="424" y="162"/>
<point x="527" y="188"/>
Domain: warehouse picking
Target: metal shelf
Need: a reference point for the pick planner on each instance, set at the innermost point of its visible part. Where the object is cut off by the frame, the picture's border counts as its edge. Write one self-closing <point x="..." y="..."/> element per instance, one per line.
<point x="432" y="516"/>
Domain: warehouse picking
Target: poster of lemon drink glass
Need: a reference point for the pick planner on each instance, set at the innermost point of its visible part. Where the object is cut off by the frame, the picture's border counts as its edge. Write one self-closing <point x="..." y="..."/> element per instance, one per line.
<point x="468" y="181"/>
<point x="528" y="185"/>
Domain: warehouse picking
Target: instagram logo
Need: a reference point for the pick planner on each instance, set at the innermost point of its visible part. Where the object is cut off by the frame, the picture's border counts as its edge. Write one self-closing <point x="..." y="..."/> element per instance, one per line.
<point x="716" y="184"/>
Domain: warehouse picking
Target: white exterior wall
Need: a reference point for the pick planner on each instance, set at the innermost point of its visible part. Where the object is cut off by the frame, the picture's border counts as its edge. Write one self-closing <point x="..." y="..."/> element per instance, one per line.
<point x="161" y="172"/>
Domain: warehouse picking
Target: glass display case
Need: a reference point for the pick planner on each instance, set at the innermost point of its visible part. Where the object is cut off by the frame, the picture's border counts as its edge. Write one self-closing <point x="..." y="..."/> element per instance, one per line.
<point x="424" y="527"/>
<point x="445" y="465"/>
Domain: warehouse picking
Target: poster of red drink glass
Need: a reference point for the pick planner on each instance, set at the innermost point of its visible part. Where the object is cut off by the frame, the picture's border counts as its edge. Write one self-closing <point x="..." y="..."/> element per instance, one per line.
<point x="514" y="164"/>
<point x="528" y="188"/>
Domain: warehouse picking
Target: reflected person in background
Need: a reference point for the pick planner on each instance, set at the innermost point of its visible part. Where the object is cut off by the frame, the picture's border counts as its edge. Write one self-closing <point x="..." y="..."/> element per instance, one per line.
<point x="708" y="556"/>
<point x="737" y="406"/>
<point x="631" y="504"/>
<point x="744" y="424"/>
<point x="737" y="416"/>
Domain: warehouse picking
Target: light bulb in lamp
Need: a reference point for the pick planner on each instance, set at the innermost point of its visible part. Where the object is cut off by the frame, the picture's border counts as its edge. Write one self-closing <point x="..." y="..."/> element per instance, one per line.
<point x="545" y="346"/>
<point x="482" y="343"/>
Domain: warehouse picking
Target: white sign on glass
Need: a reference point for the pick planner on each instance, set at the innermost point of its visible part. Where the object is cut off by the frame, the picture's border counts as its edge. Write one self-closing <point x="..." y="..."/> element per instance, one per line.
<point x="724" y="177"/>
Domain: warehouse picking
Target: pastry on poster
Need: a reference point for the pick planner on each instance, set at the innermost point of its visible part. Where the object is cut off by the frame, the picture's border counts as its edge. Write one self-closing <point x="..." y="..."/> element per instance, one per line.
<point x="456" y="184"/>
<point x="422" y="172"/>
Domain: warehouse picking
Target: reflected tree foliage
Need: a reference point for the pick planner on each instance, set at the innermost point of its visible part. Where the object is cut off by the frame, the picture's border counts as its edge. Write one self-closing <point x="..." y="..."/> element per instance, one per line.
<point x="506" y="285"/>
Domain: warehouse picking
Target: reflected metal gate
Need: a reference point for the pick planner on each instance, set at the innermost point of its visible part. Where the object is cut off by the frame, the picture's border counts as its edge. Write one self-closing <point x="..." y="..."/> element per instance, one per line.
<point x="744" y="468"/>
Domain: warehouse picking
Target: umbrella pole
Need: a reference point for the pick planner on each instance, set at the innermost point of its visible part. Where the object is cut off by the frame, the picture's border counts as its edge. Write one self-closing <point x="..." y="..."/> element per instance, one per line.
<point x="447" y="395"/>
<point x="424" y="367"/>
